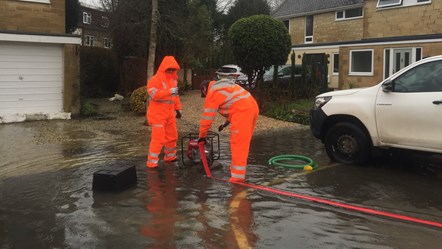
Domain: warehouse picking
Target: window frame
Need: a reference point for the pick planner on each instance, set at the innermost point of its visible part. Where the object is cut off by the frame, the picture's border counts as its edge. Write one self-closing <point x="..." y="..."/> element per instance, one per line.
<point x="87" y="17"/>
<point x="104" y="21"/>
<point x="308" y="38"/>
<point x="379" y="5"/>
<point x="404" y="3"/>
<point x="349" y="18"/>
<point x="333" y="64"/>
<point x="89" y="40"/>
<point x="107" y="42"/>
<point x="354" y="73"/>
<point x="287" y="25"/>
<point x="36" y="1"/>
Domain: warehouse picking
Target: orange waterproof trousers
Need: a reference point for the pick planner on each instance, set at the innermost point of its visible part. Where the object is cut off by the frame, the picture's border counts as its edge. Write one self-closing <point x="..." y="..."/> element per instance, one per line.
<point x="243" y="124"/>
<point x="164" y="133"/>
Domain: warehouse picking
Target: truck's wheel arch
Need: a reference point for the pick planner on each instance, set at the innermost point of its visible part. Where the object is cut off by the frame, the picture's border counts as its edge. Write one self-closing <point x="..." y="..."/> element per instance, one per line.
<point x="332" y="120"/>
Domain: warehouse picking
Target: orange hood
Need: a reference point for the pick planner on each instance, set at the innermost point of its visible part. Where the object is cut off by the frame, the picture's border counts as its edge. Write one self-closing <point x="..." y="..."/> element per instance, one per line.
<point x="168" y="62"/>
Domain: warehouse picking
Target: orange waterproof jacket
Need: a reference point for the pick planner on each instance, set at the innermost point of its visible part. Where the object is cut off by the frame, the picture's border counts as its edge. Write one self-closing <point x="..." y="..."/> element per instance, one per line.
<point x="161" y="103"/>
<point x="225" y="97"/>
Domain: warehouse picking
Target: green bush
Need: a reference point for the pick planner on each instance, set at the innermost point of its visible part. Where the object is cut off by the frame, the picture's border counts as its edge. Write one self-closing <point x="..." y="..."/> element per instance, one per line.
<point x="138" y="101"/>
<point x="88" y="109"/>
<point x="292" y="111"/>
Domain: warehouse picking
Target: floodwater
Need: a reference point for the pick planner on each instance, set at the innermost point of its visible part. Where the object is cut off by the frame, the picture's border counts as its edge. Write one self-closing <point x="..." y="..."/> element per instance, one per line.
<point x="46" y="197"/>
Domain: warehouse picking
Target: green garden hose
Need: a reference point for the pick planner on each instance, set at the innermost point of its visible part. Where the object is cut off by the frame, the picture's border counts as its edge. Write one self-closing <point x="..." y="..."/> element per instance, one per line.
<point x="309" y="163"/>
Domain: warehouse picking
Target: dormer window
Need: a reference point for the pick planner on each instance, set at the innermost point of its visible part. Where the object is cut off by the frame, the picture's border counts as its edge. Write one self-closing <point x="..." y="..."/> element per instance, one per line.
<point x="87" y="18"/>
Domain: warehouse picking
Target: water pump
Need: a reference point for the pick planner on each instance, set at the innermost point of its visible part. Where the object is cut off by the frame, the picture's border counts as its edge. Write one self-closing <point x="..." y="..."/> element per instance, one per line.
<point x="191" y="153"/>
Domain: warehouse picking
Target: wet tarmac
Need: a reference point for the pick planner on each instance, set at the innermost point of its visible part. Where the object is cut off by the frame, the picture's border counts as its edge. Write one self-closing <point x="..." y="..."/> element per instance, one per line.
<point x="47" y="201"/>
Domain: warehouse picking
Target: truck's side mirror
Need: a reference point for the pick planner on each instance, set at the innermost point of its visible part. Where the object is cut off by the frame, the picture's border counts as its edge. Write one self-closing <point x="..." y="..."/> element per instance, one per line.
<point x="387" y="86"/>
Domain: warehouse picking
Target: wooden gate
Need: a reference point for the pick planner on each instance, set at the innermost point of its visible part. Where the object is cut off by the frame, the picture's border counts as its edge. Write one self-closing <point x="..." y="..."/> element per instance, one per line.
<point x="199" y="75"/>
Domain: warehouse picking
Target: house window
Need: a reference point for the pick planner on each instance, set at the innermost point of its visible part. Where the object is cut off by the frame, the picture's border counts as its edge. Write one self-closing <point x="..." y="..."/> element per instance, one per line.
<point x="287" y="24"/>
<point x="335" y="63"/>
<point x="89" y="40"/>
<point x="107" y="43"/>
<point x="400" y="3"/>
<point x="388" y="3"/>
<point x="349" y="14"/>
<point x="361" y="62"/>
<point x="87" y="18"/>
<point x="308" y="29"/>
<point x="104" y="22"/>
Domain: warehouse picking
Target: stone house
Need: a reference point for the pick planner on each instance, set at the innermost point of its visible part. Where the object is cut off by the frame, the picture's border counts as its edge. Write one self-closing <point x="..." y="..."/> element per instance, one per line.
<point x="93" y="26"/>
<point x="39" y="62"/>
<point x="365" y="41"/>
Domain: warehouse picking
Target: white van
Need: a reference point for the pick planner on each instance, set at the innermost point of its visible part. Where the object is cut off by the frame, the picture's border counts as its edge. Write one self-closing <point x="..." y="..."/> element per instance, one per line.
<point x="403" y="111"/>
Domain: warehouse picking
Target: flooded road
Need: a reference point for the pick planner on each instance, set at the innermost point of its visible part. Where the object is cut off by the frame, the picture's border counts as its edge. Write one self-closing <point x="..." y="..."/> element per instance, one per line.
<point x="46" y="197"/>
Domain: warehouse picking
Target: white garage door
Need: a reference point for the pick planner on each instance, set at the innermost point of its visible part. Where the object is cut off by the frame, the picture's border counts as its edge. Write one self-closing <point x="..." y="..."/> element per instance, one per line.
<point x="31" y="78"/>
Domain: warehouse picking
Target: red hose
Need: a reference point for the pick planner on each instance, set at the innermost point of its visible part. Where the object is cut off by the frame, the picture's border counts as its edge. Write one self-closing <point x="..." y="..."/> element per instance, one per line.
<point x="204" y="159"/>
<point x="319" y="200"/>
<point x="341" y="205"/>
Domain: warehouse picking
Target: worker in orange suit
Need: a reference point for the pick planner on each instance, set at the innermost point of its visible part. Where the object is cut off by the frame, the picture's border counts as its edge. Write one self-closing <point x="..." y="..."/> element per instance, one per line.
<point x="164" y="108"/>
<point x="241" y="111"/>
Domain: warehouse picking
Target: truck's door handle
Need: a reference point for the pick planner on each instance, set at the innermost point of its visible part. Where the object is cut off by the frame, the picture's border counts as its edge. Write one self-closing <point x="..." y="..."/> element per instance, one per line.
<point x="437" y="102"/>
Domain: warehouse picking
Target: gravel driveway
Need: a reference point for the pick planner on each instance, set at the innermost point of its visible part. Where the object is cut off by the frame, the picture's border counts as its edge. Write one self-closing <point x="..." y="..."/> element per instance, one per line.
<point x="192" y="110"/>
<point x="127" y="121"/>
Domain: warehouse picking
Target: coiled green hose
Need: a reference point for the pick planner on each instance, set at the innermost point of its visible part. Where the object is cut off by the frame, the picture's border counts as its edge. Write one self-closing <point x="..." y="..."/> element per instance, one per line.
<point x="309" y="163"/>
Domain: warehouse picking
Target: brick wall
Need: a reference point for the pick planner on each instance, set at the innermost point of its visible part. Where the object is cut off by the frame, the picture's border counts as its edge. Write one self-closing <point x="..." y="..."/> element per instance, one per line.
<point x="297" y="30"/>
<point x="326" y="29"/>
<point x="32" y="17"/>
<point x="402" y="21"/>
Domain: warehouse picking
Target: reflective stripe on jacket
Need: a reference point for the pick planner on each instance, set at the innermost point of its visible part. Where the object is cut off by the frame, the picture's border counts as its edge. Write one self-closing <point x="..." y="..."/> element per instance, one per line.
<point x="225" y="97"/>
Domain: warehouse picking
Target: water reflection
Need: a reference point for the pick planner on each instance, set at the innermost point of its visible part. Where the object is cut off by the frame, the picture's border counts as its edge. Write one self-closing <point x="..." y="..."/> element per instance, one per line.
<point x="161" y="206"/>
<point x="241" y="219"/>
<point x="46" y="197"/>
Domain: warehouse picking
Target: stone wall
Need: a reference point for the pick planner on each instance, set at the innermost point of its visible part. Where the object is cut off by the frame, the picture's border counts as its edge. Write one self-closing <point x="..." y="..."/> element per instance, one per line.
<point x="327" y="29"/>
<point x="33" y="17"/>
<point x="402" y="21"/>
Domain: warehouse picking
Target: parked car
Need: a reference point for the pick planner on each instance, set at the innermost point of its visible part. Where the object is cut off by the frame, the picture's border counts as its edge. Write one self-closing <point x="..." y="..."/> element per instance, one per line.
<point x="403" y="111"/>
<point x="284" y="74"/>
<point x="233" y="72"/>
<point x="228" y="71"/>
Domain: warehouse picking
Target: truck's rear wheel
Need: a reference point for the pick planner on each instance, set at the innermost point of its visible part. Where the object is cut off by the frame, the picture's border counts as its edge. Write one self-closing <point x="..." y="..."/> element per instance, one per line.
<point x="347" y="143"/>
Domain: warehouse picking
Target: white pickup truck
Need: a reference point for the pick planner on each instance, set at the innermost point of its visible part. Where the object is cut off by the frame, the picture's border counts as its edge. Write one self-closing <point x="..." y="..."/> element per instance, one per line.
<point x="403" y="111"/>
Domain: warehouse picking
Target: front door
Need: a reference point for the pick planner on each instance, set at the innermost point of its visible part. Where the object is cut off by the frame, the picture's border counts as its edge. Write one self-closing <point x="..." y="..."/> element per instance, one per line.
<point x="401" y="58"/>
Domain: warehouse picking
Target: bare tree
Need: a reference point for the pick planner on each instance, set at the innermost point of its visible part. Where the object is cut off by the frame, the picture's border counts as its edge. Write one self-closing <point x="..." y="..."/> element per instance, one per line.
<point x="109" y="5"/>
<point x="274" y="4"/>
<point x="153" y="39"/>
